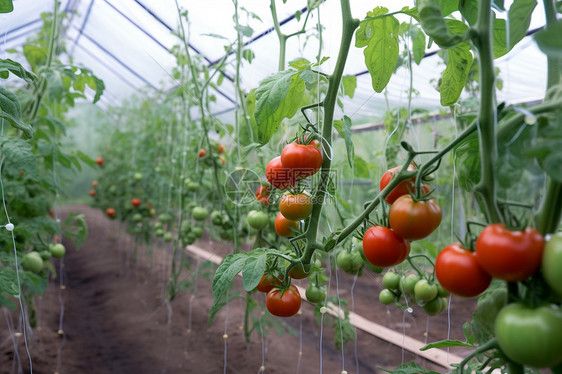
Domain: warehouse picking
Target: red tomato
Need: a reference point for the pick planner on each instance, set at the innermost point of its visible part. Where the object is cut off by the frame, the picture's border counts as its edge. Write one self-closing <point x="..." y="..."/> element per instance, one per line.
<point x="459" y="272"/>
<point x="92" y="192"/>
<point x="403" y="188"/>
<point x="283" y="304"/>
<point x="220" y="149"/>
<point x="267" y="283"/>
<point x="262" y="194"/>
<point x="279" y="176"/>
<point x="110" y="212"/>
<point x="295" y="207"/>
<point x="383" y="247"/>
<point x="303" y="160"/>
<point x="223" y="160"/>
<point x="202" y="153"/>
<point x="94" y="183"/>
<point x="414" y="220"/>
<point x="283" y="226"/>
<point x="99" y="161"/>
<point x="136" y="202"/>
<point x="509" y="255"/>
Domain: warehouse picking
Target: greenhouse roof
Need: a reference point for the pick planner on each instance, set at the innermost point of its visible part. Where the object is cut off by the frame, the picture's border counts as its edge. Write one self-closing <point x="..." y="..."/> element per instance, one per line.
<point x="127" y="42"/>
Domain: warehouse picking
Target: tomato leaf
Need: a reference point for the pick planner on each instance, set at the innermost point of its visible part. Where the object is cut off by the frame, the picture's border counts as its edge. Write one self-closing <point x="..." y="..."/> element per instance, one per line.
<point x="18" y="157"/>
<point x="469" y="10"/>
<point x="433" y="23"/>
<point x="380" y="36"/>
<point x="224" y="276"/>
<point x="75" y="229"/>
<point x="253" y="271"/>
<point x="278" y="96"/>
<point x="549" y="40"/>
<point x="10" y="109"/>
<point x="349" y="83"/>
<point x="34" y="55"/>
<point x="33" y="283"/>
<point x="519" y="19"/>
<point x="360" y="167"/>
<point x="8" y="280"/>
<point x="6" y="6"/>
<point x="445" y="344"/>
<point x="17" y="69"/>
<point x="489" y="305"/>
<point x="418" y="44"/>
<point x="455" y="75"/>
<point x="344" y="129"/>
<point x="410" y="368"/>
<point x="344" y="332"/>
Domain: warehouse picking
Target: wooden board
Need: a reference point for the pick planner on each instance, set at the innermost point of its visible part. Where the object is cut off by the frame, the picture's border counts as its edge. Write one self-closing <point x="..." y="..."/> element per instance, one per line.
<point x="437" y="356"/>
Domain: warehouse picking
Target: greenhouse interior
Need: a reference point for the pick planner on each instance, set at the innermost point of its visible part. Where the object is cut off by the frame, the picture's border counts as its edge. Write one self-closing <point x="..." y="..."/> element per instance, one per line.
<point x="281" y="186"/>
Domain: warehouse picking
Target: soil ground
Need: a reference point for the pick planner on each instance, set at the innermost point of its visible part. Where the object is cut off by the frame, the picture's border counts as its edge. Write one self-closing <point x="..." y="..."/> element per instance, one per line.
<point x="117" y="321"/>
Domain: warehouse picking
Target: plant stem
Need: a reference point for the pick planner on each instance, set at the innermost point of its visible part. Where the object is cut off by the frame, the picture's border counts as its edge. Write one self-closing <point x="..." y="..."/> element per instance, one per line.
<point x="553" y="63"/>
<point x="349" y="24"/>
<point x="485" y="190"/>
<point x="280" y="36"/>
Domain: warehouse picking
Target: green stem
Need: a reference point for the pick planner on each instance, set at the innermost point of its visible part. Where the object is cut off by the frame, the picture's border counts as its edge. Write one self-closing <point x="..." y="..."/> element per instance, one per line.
<point x="490" y="344"/>
<point x="553" y="63"/>
<point x="280" y="36"/>
<point x="349" y="24"/>
<point x="247" y="330"/>
<point x="485" y="190"/>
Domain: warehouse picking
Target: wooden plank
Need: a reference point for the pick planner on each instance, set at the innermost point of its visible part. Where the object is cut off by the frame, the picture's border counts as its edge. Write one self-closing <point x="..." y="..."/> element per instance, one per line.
<point x="437" y="356"/>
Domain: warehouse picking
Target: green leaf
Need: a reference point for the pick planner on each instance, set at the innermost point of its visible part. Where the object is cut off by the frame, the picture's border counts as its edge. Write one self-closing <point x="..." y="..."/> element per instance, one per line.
<point x="8" y="280"/>
<point x="349" y="83"/>
<point x="300" y="64"/>
<point x="75" y="229"/>
<point x="253" y="271"/>
<point x="549" y="40"/>
<point x="344" y="130"/>
<point x="500" y="41"/>
<point x="33" y="282"/>
<point x="6" y="6"/>
<point x="7" y="301"/>
<point x="469" y="10"/>
<point x="247" y="55"/>
<point x="519" y="18"/>
<point x="455" y="75"/>
<point x="360" y="168"/>
<point x="559" y="6"/>
<point x="418" y="44"/>
<point x="498" y="4"/>
<point x="247" y="31"/>
<point x="410" y="368"/>
<point x="35" y="56"/>
<point x="344" y="332"/>
<point x="445" y="344"/>
<point x="278" y="96"/>
<point x="218" y="306"/>
<point x="17" y="69"/>
<point x="380" y="36"/>
<point x="18" y="156"/>
<point x="433" y="23"/>
<point x="224" y="276"/>
<point x="86" y="159"/>
<point x="10" y="109"/>
<point x="447" y="6"/>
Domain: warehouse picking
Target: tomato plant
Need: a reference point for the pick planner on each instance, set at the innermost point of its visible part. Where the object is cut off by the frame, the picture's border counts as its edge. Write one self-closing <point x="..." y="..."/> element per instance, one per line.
<point x="279" y="176"/>
<point x="530" y="336"/>
<point x="414" y="220"/>
<point x="285" y="227"/>
<point x="509" y="255"/>
<point x="459" y="272"/>
<point x="295" y="207"/>
<point x="383" y="247"/>
<point x="302" y="160"/>
<point x="283" y="303"/>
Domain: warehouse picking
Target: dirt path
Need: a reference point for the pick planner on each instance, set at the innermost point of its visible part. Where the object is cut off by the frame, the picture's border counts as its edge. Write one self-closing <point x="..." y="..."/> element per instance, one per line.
<point x="117" y="321"/>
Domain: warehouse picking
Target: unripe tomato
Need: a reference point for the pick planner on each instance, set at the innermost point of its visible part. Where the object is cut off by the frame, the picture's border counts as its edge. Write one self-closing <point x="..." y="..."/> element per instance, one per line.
<point x="137" y="217"/>
<point x="391" y="280"/>
<point x="383" y="247"/>
<point x="295" y="207"/>
<point x="531" y="337"/>
<point x="32" y="262"/>
<point x="425" y="291"/>
<point x="257" y="219"/>
<point x="184" y="228"/>
<point x="202" y="153"/>
<point x="386" y="297"/>
<point x="315" y="294"/>
<point x="94" y="183"/>
<point x="278" y="175"/>
<point x="283" y="304"/>
<point x="285" y="227"/>
<point x="199" y="213"/>
<point x="135" y="201"/>
<point x="435" y="306"/>
<point x="168" y="237"/>
<point x="303" y="160"/>
<point x="92" y="192"/>
<point x="552" y="263"/>
<point x="509" y="255"/>
<point x="197" y="231"/>
<point x="459" y="272"/>
<point x="414" y="220"/>
<point x="408" y="283"/>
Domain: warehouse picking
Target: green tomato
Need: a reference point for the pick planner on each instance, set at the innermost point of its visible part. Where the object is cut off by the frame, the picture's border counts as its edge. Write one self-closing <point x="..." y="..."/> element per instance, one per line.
<point x="32" y="262"/>
<point x="425" y="291"/>
<point x="57" y="250"/>
<point x="157" y="225"/>
<point x="197" y="232"/>
<point x="257" y="219"/>
<point x="137" y="217"/>
<point x="343" y="260"/>
<point x="45" y="255"/>
<point x="435" y="306"/>
<point x="530" y="336"/>
<point x="193" y="186"/>
<point x="355" y="260"/>
<point x="137" y="176"/>
<point x="216" y="218"/>
<point x="165" y="218"/>
<point x="408" y="283"/>
<point x="315" y="294"/>
<point x="386" y="296"/>
<point x="190" y="239"/>
<point x="391" y="280"/>
<point x="159" y="232"/>
<point x="185" y="226"/>
<point x="442" y="292"/>
<point x="199" y="213"/>
<point x="552" y="263"/>
<point x="168" y="237"/>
